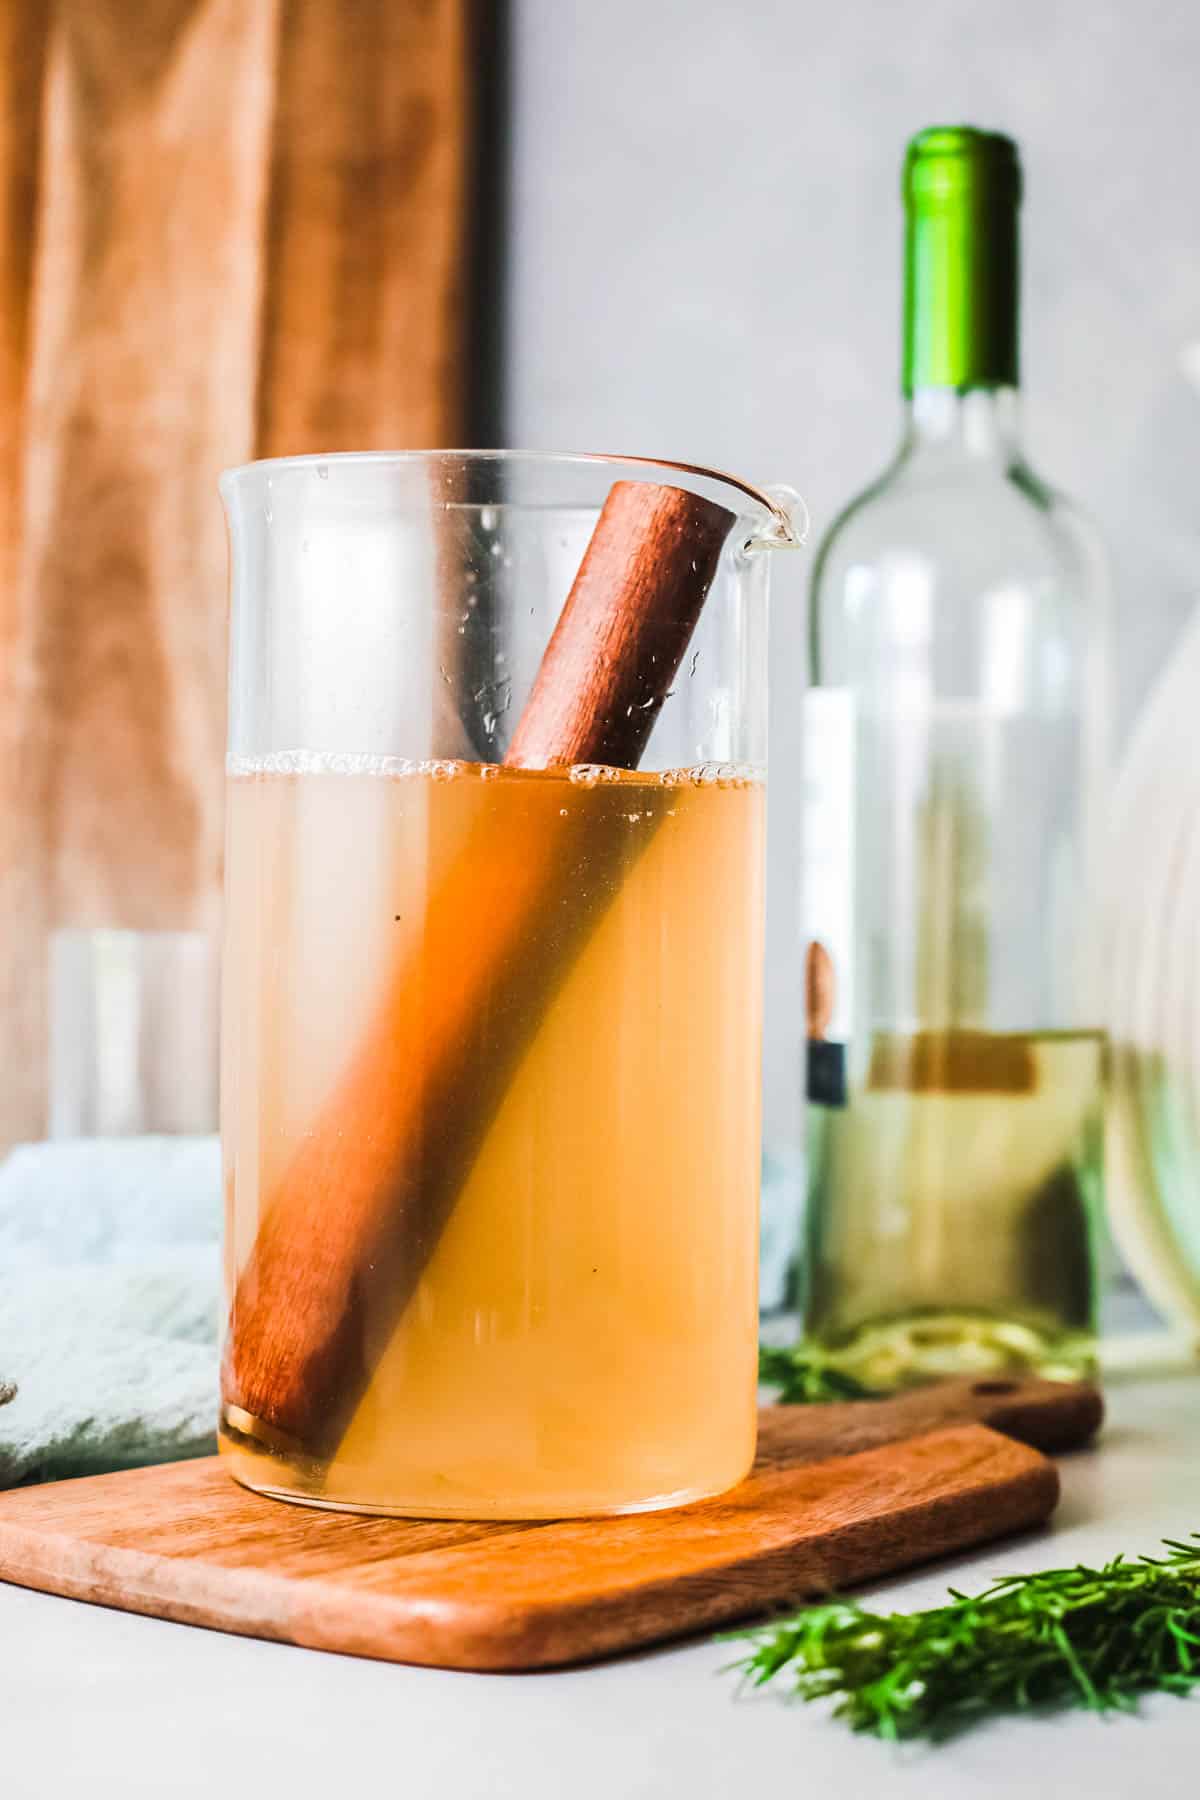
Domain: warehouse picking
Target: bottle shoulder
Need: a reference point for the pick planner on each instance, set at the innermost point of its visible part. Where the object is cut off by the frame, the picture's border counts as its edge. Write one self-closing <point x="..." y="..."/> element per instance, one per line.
<point x="999" y="519"/>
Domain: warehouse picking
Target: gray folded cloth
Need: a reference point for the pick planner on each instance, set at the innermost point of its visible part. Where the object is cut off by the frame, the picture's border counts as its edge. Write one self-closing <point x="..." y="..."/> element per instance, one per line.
<point x="109" y="1279"/>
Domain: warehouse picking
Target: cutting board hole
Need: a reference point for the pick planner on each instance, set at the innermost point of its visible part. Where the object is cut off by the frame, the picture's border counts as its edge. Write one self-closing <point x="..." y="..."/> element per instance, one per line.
<point x="987" y="1388"/>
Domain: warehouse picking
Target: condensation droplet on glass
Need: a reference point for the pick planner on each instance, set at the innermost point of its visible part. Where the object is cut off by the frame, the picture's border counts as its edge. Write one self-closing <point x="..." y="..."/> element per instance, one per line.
<point x="489" y="772"/>
<point x="489" y="518"/>
<point x="322" y="471"/>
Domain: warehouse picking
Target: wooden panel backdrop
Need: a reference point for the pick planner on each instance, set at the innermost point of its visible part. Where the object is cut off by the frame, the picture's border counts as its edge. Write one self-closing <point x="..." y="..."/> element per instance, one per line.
<point x="229" y="228"/>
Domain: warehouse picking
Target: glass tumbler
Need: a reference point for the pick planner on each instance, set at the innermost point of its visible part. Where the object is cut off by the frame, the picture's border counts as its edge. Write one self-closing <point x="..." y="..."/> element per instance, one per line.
<point x="491" y="1025"/>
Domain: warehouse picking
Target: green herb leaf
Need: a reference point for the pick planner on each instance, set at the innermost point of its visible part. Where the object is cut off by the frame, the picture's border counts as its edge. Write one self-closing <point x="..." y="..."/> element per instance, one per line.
<point x="805" y="1378"/>
<point x="1094" y="1638"/>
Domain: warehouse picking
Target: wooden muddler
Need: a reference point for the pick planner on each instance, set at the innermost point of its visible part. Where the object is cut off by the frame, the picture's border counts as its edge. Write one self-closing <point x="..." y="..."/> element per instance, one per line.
<point x="361" y="1206"/>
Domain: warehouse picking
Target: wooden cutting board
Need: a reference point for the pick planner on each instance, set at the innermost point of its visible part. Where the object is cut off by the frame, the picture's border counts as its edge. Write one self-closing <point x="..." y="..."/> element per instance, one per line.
<point x="838" y="1495"/>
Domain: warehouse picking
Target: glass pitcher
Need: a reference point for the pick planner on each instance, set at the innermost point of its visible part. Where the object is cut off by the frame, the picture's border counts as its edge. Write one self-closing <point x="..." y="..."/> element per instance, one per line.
<point x="491" y="1029"/>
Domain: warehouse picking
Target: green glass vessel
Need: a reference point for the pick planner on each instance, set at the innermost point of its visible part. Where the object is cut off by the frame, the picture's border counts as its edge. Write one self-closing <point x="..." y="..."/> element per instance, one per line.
<point x="955" y="1071"/>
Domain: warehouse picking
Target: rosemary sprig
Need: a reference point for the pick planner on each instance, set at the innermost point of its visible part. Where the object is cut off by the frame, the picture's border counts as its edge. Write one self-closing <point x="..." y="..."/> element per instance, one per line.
<point x="805" y="1378"/>
<point x="1095" y="1638"/>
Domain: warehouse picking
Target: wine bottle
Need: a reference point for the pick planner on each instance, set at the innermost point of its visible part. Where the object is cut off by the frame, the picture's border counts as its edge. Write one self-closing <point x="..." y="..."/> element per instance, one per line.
<point x="955" y="1063"/>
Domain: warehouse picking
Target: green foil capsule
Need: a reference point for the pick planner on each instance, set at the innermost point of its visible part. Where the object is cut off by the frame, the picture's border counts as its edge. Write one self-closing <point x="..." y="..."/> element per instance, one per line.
<point x="962" y="191"/>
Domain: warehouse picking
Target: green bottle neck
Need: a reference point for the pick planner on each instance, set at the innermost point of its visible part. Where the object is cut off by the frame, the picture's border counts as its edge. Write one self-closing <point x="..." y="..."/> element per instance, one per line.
<point x="961" y="266"/>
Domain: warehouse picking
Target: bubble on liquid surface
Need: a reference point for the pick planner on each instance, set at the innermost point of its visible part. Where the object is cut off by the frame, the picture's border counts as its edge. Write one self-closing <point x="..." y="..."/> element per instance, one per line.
<point x="723" y="775"/>
<point x="322" y="762"/>
<point x="710" y="774"/>
<point x="362" y="762"/>
<point x="590" y="775"/>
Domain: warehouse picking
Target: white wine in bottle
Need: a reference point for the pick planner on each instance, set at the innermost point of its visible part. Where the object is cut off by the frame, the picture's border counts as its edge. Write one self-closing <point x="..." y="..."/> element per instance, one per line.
<point x="955" y="1075"/>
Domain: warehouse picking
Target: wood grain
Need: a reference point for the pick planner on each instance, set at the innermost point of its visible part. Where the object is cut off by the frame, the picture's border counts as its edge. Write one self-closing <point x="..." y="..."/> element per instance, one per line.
<point x="361" y="1207"/>
<point x="1050" y="1415"/>
<point x="229" y="227"/>
<point x="608" y="668"/>
<point x="139" y="377"/>
<point x="24" y="29"/>
<point x="183" y="1542"/>
<point x="363" y="321"/>
<point x="24" y="35"/>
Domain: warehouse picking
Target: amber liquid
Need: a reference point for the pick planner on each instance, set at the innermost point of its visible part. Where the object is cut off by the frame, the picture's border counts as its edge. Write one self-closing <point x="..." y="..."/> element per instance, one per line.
<point x="582" y="1335"/>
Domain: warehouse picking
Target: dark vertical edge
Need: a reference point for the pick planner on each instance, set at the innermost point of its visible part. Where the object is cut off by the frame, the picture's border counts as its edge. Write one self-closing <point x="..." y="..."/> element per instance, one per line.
<point x="489" y="206"/>
<point x="477" y="658"/>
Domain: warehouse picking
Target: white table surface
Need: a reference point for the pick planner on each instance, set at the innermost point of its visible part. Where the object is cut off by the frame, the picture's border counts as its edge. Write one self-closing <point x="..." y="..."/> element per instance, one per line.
<point x="102" y="1703"/>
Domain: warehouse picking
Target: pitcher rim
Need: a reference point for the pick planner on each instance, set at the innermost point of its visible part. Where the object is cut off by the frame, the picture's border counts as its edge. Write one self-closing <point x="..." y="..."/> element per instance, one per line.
<point x="777" y="506"/>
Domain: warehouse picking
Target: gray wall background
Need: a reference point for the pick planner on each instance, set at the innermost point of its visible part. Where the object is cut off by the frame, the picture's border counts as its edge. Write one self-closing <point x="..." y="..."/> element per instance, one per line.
<point x="705" y="263"/>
